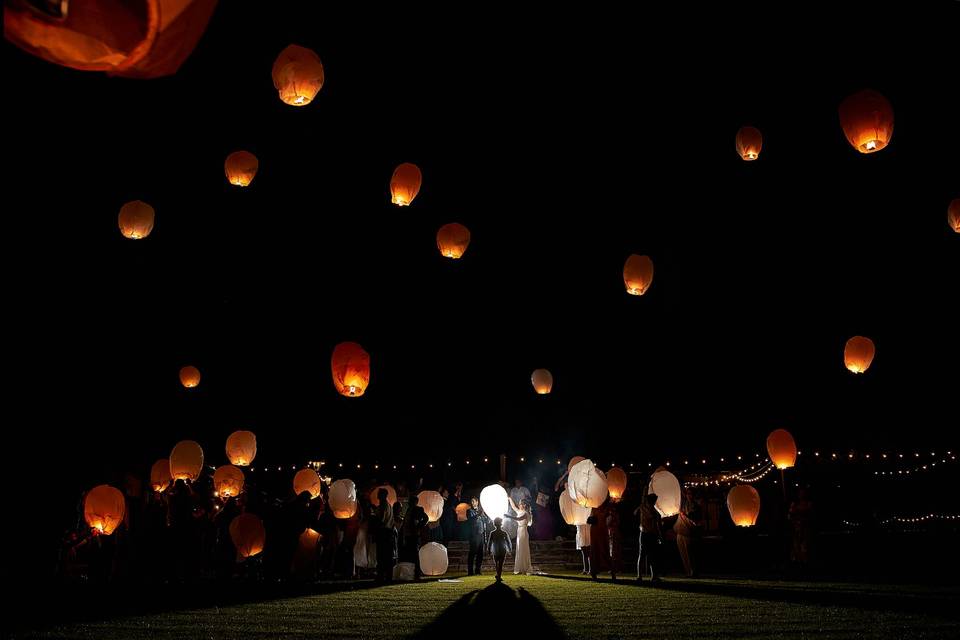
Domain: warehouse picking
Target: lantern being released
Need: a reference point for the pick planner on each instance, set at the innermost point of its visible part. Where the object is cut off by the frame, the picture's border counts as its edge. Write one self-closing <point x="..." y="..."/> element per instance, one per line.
<point x="573" y="462"/>
<point x="103" y="508"/>
<point x="405" y="184"/>
<point x="616" y="483"/>
<point x="241" y="448"/>
<point x="189" y="377"/>
<point x="307" y="480"/>
<point x="665" y="485"/>
<point x="572" y="512"/>
<point x="461" y="510"/>
<point x="953" y="215"/>
<point x="136" y="220"/>
<point x="433" y="559"/>
<point x="587" y="485"/>
<point x="867" y="120"/>
<point x="241" y="167"/>
<point x="350" y="365"/>
<point x="432" y="504"/>
<point x="749" y="142"/>
<point x="228" y="481"/>
<point x="160" y="475"/>
<point x="248" y="535"/>
<point x="186" y="461"/>
<point x="743" y="502"/>
<point x="297" y="75"/>
<point x="782" y="449"/>
<point x="542" y="381"/>
<point x="494" y="501"/>
<point x="858" y="354"/>
<point x="391" y="495"/>
<point x="637" y="274"/>
<point x="452" y="240"/>
<point x="343" y="498"/>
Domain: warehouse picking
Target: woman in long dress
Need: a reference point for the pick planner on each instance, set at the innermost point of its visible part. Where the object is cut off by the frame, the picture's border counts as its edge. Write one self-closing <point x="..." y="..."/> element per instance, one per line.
<point x="521" y="553"/>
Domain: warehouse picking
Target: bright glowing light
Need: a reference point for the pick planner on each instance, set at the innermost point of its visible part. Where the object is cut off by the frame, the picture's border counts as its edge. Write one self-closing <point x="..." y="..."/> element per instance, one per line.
<point x="494" y="501"/>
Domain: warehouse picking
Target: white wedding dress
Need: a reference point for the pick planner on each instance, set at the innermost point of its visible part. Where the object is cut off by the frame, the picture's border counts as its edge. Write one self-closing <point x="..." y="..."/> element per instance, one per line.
<point x="521" y="557"/>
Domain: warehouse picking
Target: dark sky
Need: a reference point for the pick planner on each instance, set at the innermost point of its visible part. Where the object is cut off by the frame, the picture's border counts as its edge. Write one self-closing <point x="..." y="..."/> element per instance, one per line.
<point x="564" y="142"/>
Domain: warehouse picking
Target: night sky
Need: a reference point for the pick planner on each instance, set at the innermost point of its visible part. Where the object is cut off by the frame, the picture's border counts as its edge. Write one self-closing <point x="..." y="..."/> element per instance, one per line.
<point x="565" y="143"/>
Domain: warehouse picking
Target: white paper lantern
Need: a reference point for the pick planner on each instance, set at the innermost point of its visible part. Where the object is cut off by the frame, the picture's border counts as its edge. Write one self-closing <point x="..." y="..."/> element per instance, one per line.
<point x="433" y="559"/>
<point x="343" y="498"/>
<point x="572" y="512"/>
<point x="587" y="485"/>
<point x="665" y="485"/>
<point x="432" y="504"/>
<point x="743" y="502"/>
<point x="494" y="501"/>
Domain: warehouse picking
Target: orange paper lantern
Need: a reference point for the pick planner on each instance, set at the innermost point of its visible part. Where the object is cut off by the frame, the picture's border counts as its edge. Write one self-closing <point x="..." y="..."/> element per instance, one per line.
<point x="228" y="481"/>
<point x="405" y="184"/>
<point x="189" y="377"/>
<point x="241" y="448"/>
<point x="240" y="168"/>
<point x="542" y="381"/>
<point x="432" y="504"/>
<point x="749" y="143"/>
<point x="637" y="274"/>
<point x="391" y="495"/>
<point x="452" y="240"/>
<point x="136" y="220"/>
<point x="782" y="449"/>
<point x="103" y="508"/>
<point x="307" y="480"/>
<point x="160" y="475"/>
<point x="186" y="461"/>
<point x="248" y="535"/>
<point x="461" y="510"/>
<point x="867" y="120"/>
<point x="743" y="502"/>
<point x="343" y="498"/>
<point x="616" y="483"/>
<point x="953" y="215"/>
<point x="297" y="75"/>
<point x="858" y="354"/>
<point x="351" y="369"/>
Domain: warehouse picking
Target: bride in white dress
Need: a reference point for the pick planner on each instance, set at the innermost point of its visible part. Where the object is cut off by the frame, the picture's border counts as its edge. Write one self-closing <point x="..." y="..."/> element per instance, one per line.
<point x="521" y="554"/>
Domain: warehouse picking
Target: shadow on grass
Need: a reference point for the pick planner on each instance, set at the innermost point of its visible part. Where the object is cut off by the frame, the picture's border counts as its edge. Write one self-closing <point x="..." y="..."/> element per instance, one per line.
<point x="515" y="613"/>
<point x="943" y="606"/>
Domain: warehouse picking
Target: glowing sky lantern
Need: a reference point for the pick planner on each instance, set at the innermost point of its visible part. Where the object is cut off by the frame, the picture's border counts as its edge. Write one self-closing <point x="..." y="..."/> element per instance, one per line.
<point x="307" y="480"/>
<point x="667" y="487"/>
<point x="749" y="143"/>
<point x="858" y="354"/>
<point x="103" y="508"/>
<point x="248" y="535"/>
<point x="953" y="215"/>
<point x="542" y="381"/>
<point x="433" y="559"/>
<point x="743" y="502"/>
<point x="160" y="475"/>
<point x="405" y="184"/>
<point x="186" y="461"/>
<point x="572" y="512"/>
<point x="189" y="376"/>
<point x="453" y="240"/>
<point x="637" y="274"/>
<point x="391" y="495"/>
<point x="782" y="449"/>
<point x="343" y="498"/>
<point x="461" y="510"/>
<point x="297" y="75"/>
<point x="432" y="504"/>
<point x="573" y="461"/>
<point x="241" y="448"/>
<point x="616" y="483"/>
<point x="350" y="365"/>
<point x="228" y="481"/>
<point x="867" y="121"/>
<point x="494" y="501"/>
<point x="587" y="484"/>
<point x="240" y="168"/>
<point x="136" y="220"/>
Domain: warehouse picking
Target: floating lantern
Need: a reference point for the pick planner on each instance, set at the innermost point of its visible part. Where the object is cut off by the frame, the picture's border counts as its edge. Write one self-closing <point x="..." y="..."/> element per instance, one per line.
<point x="858" y="354"/>
<point x="573" y="461"/>
<point x="749" y="142"/>
<point x="103" y="508"/>
<point x="160" y="475"/>
<point x="542" y="381"/>
<point x="186" y="461"/>
<point x="782" y="449"/>
<point x="297" y="75"/>
<point x="136" y="220"/>
<point x="343" y="498"/>
<point x="953" y="215"/>
<point x="461" y="510"/>
<point x="307" y="480"/>
<point x="616" y="483"/>
<point x="452" y="240"/>
<point x="228" y="481"/>
<point x="189" y="377"/>
<point x="351" y="369"/>
<point x="241" y="167"/>
<point x="405" y="184"/>
<point x="665" y="485"/>
<point x="494" y="501"/>
<point x="637" y="274"/>
<point x="433" y="559"/>
<point x="241" y="448"/>
<point x="743" y="502"/>
<point x="432" y="504"/>
<point x="587" y="485"/>
<point x="248" y="535"/>
<point x="867" y="120"/>
<point x="391" y="495"/>
<point x="572" y="512"/>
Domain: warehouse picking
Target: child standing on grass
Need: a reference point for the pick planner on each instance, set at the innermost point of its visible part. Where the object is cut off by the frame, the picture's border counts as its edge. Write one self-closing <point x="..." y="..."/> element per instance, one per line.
<point x="499" y="546"/>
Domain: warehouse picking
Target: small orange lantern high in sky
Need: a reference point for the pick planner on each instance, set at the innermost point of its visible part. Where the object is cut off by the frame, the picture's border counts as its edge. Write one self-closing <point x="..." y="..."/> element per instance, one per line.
<point x="743" y="502"/>
<point x="638" y="274"/>
<point x="405" y="184"/>
<point x="186" y="461"/>
<point x="240" y="168"/>
<point x="160" y="475"/>
<point x="858" y="354"/>
<point x="953" y="215"/>
<point x="452" y="240"/>
<point x="103" y="508"/>
<point x="616" y="483"/>
<point x="136" y="220"/>
<point x="749" y="143"/>
<point x="350" y="365"/>
<point x="782" y="449"/>
<point x="297" y="75"/>
<point x="241" y="448"/>
<point x="248" y="535"/>
<point x="228" y="481"/>
<point x="542" y="381"/>
<point x="189" y="376"/>
<point x="867" y="120"/>
<point x="307" y="480"/>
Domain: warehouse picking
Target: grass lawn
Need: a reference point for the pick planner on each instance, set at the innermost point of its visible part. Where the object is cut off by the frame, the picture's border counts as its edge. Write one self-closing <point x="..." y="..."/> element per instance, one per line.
<point x="561" y="606"/>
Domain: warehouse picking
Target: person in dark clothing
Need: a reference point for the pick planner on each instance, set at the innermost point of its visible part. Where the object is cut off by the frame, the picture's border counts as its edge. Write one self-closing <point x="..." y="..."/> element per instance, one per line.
<point x="650" y="537"/>
<point x="599" y="542"/>
<point x="386" y="537"/>
<point x="413" y="523"/>
<point x="499" y="546"/>
<point x="478" y="522"/>
<point x="448" y="518"/>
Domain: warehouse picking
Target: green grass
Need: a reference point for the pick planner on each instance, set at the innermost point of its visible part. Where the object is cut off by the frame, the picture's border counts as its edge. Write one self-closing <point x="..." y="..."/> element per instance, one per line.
<point x="543" y="607"/>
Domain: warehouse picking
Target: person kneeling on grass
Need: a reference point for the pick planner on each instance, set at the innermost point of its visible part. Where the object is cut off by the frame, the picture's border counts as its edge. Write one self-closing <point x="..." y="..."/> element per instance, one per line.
<point x="499" y="546"/>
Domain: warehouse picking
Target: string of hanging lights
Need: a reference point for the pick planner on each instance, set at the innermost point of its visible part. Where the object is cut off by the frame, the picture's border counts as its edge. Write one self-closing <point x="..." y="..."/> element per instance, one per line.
<point x="914" y="520"/>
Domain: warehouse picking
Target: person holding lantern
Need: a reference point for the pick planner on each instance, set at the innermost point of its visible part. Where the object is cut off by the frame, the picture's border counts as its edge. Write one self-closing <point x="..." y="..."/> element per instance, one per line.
<point x="650" y="537"/>
<point x="478" y="522"/>
<point x="386" y="537"/>
<point x="521" y="559"/>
